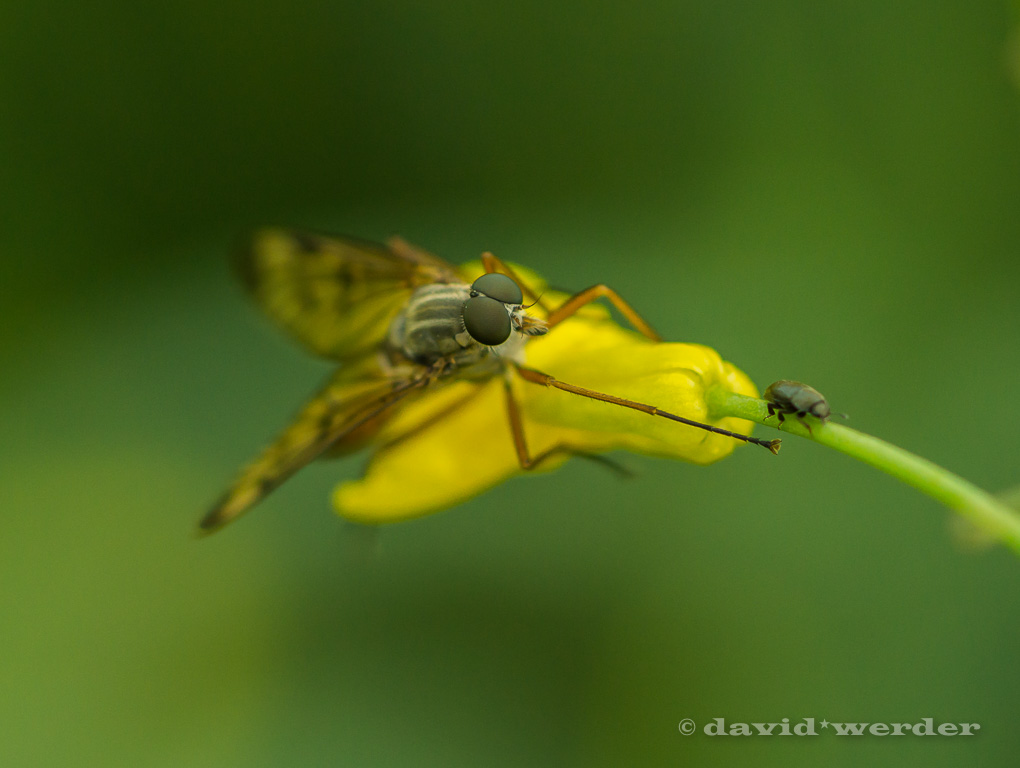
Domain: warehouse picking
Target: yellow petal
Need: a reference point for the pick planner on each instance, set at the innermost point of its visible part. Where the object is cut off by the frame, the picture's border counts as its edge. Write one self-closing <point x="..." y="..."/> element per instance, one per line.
<point x="455" y="442"/>
<point x="453" y="459"/>
<point x="597" y="354"/>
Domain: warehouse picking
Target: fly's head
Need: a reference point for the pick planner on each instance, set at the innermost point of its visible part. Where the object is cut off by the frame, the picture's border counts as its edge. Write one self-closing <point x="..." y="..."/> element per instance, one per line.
<point x="494" y="311"/>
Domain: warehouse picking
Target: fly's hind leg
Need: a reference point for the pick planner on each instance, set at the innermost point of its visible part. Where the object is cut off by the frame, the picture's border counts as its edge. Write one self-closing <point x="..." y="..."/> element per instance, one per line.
<point x="588" y="295"/>
<point x="575" y="302"/>
<point x="493" y="263"/>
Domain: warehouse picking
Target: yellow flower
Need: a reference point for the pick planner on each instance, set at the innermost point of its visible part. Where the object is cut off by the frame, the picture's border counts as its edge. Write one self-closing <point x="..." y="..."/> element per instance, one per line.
<point x="455" y="442"/>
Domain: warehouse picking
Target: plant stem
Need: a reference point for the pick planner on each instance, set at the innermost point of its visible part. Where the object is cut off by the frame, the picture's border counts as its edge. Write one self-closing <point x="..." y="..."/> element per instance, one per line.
<point x="977" y="506"/>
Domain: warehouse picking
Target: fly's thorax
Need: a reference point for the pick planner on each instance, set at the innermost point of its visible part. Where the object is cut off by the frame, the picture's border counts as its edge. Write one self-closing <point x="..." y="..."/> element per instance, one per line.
<point x="431" y="326"/>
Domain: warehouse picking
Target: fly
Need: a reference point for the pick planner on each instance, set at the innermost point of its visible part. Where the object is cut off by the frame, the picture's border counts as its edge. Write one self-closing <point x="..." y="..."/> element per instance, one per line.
<point x="399" y="320"/>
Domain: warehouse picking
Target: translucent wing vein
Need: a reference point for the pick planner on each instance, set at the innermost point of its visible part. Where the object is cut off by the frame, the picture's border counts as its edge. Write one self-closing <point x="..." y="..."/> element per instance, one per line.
<point x="334" y="295"/>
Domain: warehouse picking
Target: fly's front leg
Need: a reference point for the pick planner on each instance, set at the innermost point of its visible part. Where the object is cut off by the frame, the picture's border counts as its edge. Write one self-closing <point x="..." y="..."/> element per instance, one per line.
<point x="521" y="444"/>
<point x="517" y="428"/>
<point x="545" y="380"/>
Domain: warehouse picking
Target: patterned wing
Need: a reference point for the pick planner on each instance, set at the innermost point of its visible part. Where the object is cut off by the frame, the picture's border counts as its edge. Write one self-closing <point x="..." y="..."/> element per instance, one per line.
<point x="345" y="414"/>
<point x="335" y="295"/>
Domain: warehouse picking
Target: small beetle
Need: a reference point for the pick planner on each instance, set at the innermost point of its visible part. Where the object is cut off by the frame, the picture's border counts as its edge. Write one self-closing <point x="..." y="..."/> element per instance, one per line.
<point x="786" y="397"/>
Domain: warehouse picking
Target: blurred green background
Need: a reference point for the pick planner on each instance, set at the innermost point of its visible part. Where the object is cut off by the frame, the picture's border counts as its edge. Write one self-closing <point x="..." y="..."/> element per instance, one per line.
<point x="824" y="193"/>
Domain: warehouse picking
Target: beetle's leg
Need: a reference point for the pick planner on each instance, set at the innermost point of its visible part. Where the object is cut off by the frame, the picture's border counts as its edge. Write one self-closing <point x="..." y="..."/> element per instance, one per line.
<point x="587" y="296"/>
<point x="800" y="418"/>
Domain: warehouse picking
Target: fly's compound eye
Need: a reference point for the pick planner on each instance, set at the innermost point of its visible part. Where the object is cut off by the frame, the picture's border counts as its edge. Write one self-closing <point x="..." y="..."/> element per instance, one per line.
<point x="486" y="319"/>
<point x="498" y="287"/>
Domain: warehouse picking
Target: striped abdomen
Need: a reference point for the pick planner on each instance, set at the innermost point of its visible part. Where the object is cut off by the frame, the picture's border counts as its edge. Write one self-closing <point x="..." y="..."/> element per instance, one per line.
<point x="431" y="326"/>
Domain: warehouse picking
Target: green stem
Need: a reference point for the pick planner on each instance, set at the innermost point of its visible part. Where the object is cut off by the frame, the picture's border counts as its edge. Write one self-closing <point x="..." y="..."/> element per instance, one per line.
<point x="977" y="506"/>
